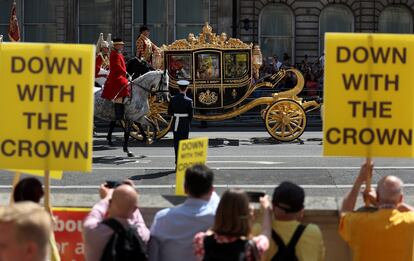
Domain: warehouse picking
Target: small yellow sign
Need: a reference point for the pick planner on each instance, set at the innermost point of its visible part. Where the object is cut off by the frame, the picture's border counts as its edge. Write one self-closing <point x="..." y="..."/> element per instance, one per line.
<point x="55" y="174"/>
<point x="47" y="106"/>
<point x="190" y="152"/>
<point x="368" y="102"/>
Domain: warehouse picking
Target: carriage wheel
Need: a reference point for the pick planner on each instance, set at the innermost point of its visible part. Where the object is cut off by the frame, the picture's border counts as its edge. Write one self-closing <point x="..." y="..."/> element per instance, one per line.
<point x="159" y="116"/>
<point x="285" y="120"/>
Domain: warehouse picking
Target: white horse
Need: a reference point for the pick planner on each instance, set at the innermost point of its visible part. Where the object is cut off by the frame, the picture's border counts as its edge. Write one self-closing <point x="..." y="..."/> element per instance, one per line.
<point x="137" y="105"/>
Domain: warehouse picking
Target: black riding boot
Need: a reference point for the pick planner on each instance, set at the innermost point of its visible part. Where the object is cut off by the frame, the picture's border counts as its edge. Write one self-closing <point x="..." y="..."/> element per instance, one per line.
<point x="126" y="139"/>
<point x="111" y="129"/>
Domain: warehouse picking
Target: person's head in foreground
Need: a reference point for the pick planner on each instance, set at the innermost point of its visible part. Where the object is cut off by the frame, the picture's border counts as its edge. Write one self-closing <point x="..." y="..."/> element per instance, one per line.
<point x="288" y="201"/>
<point x="198" y="182"/>
<point x="123" y="202"/>
<point x="233" y="216"/>
<point x="29" y="189"/>
<point x="25" y="229"/>
<point x="389" y="192"/>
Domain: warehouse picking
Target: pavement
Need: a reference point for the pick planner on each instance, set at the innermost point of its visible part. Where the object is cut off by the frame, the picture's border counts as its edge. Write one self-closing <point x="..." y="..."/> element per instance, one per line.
<point x="240" y="157"/>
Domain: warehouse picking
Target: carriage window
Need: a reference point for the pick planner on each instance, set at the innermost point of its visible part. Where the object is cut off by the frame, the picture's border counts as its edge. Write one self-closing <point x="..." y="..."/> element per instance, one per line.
<point x="193" y="21"/>
<point x="276" y="30"/>
<point x="208" y="66"/>
<point x="179" y="66"/>
<point x="156" y="20"/>
<point x="395" y="19"/>
<point x="39" y="21"/>
<point x="235" y="65"/>
<point x="334" y="18"/>
<point x="98" y="21"/>
<point x="5" y="8"/>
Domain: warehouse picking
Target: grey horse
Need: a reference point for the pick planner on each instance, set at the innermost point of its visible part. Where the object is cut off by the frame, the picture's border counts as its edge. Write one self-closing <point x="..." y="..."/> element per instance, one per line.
<point x="136" y="106"/>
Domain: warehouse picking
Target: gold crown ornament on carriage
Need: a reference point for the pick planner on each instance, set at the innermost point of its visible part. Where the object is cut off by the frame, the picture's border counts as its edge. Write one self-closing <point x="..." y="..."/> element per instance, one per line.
<point x="223" y="73"/>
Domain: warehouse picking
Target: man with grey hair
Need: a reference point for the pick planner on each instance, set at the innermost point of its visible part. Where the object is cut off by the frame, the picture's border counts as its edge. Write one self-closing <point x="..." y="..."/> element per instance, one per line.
<point x="25" y="229"/>
<point x="385" y="232"/>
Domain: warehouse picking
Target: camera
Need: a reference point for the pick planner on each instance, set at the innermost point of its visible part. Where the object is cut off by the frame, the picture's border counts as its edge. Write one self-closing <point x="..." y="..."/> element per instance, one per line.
<point x="255" y="196"/>
<point x="113" y="183"/>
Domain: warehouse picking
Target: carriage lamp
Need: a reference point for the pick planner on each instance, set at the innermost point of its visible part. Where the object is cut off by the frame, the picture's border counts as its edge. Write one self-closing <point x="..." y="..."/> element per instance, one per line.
<point x="257" y="60"/>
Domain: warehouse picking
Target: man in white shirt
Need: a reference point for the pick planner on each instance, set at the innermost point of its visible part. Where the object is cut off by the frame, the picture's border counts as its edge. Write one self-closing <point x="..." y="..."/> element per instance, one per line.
<point x="173" y="229"/>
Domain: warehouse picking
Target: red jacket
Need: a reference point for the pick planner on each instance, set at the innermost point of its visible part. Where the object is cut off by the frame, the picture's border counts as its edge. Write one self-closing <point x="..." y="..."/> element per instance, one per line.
<point x="116" y="78"/>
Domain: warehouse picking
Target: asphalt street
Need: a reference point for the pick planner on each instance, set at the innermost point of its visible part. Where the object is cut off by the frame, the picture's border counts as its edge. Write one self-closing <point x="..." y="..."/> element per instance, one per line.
<point x="246" y="158"/>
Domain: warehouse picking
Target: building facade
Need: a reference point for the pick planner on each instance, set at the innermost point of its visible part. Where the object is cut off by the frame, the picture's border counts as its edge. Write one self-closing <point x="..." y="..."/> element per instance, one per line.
<point x="295" y="27"/>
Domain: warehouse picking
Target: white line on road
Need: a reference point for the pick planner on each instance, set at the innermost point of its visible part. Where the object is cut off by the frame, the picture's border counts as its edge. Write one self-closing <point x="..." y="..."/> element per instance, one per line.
<point x="255" y="186"/>
<point x="248" y="156"/>
<point x="246" y="162"/>
<point x="258" y="168"/>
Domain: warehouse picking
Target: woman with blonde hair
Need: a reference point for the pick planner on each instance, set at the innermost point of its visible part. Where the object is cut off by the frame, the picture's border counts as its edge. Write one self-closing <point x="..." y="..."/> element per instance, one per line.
<point x="231" y="236"/>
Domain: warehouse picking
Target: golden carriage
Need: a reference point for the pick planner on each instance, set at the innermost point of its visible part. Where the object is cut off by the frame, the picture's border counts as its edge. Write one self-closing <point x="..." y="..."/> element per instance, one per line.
<point x="223" y="73"/>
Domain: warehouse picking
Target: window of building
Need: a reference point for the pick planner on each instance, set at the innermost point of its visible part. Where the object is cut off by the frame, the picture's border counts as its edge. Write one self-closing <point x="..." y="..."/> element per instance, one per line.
<point x="395" y="19"/>
<point x="276" y="31"/>
<point x="190" y="17"/>
<point x="5" y="8"/>
<point x="156" y="20"/>
<point x="95" y="17"/>
<point x="39" y="21"/>
<point x="334" y="18"/>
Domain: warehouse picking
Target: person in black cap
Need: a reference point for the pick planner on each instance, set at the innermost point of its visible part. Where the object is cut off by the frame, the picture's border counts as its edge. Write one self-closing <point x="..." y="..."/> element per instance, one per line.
<point x="145" y="48"/>
<point x="304" y="241"/>
<point x="181" y="108"/>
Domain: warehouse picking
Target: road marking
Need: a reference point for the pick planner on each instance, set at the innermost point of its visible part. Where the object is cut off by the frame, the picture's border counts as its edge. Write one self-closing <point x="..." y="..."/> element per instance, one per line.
<point x="247" y="156"/>
<point x="259" y="168"/>
<point x="256" y="186"/>
<point x="246" y="162"/>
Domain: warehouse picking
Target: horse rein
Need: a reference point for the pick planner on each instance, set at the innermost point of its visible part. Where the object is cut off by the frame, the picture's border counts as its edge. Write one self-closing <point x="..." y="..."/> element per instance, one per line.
<point x="150" y="90"/>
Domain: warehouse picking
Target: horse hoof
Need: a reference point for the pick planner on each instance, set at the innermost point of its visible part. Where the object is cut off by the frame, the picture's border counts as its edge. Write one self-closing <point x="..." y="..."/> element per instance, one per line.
<point x="130" y="154"/>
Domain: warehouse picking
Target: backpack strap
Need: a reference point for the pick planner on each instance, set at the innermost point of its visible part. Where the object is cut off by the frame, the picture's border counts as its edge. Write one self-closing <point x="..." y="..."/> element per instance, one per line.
<point x="278" y="240"/>
<point x="114" y="225"/>
<point x="296" y="236"/>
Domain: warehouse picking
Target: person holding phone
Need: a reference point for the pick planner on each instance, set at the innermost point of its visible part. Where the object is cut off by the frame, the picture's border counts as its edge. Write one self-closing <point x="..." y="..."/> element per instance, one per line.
<point x="231" y="236"/>
<point x="118" y="203"/>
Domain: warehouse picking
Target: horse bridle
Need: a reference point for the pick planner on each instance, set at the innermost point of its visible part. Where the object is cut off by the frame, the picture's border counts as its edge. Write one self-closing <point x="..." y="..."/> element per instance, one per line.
<point x="158" y="89"/>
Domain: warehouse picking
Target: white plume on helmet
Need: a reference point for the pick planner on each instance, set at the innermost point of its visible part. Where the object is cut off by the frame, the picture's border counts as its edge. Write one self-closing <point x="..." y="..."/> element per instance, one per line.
<point x="101" y="43"/>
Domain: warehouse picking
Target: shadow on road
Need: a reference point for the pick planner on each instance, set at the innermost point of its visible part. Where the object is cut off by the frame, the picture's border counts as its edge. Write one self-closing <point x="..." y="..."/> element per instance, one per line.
<point x="115" y="159"/>
<point x="152" y="175"/>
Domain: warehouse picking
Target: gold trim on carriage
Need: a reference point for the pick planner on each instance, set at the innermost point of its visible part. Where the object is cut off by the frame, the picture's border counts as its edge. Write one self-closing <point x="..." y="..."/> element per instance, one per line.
<point x="223" y="72"/>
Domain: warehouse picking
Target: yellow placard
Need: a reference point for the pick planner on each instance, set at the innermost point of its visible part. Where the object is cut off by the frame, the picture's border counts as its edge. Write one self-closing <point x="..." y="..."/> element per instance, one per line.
<point x="190" y="152"/>
<point x="368" y="95"/>
<point x="55" y="174"/>
<point x="46" y="106"/>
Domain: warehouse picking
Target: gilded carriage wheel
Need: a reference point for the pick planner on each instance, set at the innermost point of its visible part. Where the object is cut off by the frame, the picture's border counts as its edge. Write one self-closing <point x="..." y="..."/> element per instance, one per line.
<point x="158" y="115"/>
<point x="285" y="120"/>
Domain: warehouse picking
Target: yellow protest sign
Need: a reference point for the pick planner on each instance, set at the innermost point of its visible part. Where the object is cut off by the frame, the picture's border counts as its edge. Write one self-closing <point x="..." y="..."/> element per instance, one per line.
<point x="190" y="152"/>
<point x="55" y="174"/>
<point x="368" y="99"/>
<point x="46" y="106"/>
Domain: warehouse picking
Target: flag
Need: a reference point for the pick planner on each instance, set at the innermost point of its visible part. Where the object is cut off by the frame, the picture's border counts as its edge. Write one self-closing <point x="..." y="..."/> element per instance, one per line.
<point x="14" y="32"/>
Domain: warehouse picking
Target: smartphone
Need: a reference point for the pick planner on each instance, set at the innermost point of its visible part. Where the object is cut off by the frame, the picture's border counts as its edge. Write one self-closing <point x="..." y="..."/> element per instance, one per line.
<point x="255" y="196"/>
<point x="113" y="183"/>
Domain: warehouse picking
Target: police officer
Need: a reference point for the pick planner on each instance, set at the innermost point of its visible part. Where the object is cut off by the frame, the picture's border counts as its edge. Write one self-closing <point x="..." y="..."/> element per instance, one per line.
<point x="181" y="108"/>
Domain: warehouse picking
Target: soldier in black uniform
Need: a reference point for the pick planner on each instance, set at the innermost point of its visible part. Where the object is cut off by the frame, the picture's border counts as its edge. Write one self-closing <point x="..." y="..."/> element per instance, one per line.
<point x="181" y="108"/>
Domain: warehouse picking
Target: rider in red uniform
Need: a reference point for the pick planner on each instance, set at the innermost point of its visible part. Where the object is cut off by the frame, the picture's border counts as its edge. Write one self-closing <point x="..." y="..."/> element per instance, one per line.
<point x="101" y="61"/>
<point x="116" y="85"/>
<point x="116" y="89"/>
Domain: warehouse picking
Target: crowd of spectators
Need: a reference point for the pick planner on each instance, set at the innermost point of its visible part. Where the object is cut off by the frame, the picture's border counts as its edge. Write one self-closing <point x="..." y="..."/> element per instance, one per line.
<point x="206" y="227"/>
<point x="312" y="71"/>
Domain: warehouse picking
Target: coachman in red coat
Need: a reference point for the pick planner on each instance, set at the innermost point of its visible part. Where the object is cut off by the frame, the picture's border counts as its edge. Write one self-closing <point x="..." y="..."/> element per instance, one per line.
<point x="116" y="89"/>
<point x="116" y="83"/>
